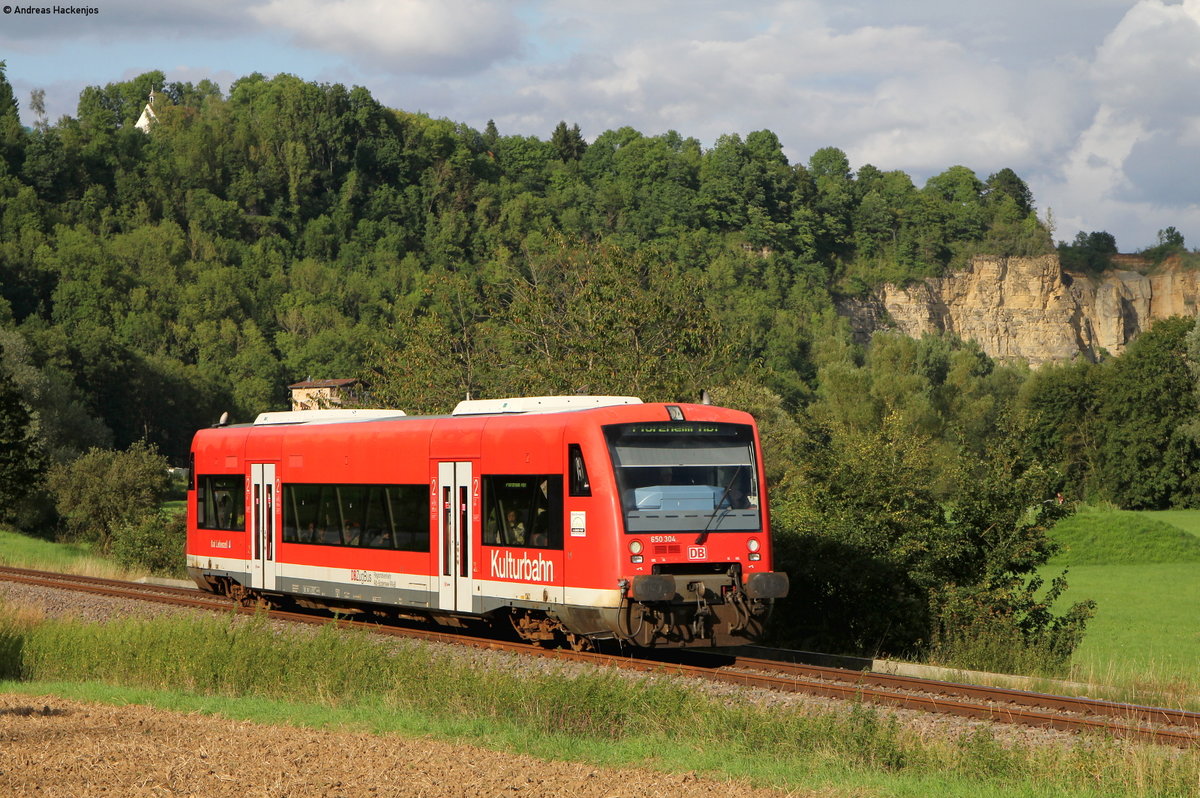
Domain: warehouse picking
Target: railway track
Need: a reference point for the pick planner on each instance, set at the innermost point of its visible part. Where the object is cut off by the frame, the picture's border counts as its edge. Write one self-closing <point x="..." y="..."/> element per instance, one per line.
<point x="1065" y="713"/>
<point x="1153" y="724"/>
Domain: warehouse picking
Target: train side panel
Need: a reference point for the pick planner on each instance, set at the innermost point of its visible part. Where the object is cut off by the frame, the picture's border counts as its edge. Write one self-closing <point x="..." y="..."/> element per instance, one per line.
<point x="361" y="454"/>
<point x="519" y="562"/>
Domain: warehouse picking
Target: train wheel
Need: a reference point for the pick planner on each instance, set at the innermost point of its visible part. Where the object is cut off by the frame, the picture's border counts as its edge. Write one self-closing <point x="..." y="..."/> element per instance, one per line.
<point x="239" y="594"/>
<point x="533" y="628"/>
<point x="580" y="642"/>
<point x="246" y="597"/>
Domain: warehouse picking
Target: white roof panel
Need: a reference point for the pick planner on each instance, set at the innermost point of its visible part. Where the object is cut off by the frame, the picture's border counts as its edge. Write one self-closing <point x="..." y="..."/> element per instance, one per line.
<point x="539" y="404"/>
<point x="329" y="416"/>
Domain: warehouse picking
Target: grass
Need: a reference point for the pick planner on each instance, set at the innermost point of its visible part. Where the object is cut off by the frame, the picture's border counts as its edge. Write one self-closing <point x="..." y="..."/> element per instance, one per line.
<point x="1143" y="571"/>
<point x="245" y="669"/>
<point x="1098" y="536"/>
<point x="1144" y="638"/>
<point x="22" y="551"/>
<point x="1187" y="520"/>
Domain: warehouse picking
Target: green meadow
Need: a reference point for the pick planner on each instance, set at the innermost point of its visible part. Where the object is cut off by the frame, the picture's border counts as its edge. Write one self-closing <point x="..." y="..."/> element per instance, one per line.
<point x="1187" y="520"/>
<point x="23" y="551"/>
<point x="1143" y="571"/>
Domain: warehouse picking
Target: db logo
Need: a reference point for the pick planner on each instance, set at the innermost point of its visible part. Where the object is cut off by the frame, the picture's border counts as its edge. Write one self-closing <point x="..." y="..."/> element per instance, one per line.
<point x="697" y="553"/>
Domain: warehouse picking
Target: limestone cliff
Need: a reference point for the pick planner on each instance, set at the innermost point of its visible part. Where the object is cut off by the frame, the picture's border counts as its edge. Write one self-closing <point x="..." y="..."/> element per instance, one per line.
<point x="1030" y="309"/>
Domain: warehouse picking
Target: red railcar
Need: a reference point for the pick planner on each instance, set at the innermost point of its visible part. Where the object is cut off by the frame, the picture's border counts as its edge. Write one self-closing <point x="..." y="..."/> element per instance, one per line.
<point x="577" y="518"/>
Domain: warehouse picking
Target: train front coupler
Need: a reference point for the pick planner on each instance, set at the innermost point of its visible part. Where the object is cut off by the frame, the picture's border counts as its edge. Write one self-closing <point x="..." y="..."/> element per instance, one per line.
<point x="687" y="609"/>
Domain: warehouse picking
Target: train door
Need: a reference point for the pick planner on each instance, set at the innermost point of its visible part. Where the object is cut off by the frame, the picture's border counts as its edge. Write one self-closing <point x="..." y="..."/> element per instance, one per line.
<point x="458" y="498"/>
<point x="262" y="526"/>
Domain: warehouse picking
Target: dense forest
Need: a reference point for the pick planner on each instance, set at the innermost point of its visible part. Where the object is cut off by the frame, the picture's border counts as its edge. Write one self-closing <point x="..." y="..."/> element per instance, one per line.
<point x="150" y="281"/>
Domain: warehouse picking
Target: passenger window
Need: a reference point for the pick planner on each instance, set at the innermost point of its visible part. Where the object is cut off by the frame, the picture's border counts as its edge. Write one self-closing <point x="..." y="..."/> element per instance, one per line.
<point x="523" y="510"/>
<point x="365" y="516"/>
<point x="220" y="502"/>
<point x="580" y="486"/>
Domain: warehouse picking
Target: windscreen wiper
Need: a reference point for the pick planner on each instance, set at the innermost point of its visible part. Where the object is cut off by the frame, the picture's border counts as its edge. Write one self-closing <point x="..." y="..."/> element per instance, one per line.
<point x="703" y="536"/>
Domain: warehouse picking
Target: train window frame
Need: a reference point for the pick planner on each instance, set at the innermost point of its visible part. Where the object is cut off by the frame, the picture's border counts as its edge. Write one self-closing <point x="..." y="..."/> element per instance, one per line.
<point x="541" y="512"/>
<point x="208" y="508"/>
<point x="341" y="515"/>
<point x="728" y="500"/>
<point x="579" y="485"/>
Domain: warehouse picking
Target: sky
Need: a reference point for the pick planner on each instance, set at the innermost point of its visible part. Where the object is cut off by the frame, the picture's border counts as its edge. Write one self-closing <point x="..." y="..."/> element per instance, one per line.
<point x="1093" y="102"/>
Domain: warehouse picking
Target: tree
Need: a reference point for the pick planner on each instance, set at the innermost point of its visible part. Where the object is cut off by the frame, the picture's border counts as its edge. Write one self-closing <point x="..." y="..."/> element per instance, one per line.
<point x="1059" y="406"/>
<point x="829" y="168"/>
<point x="155" y="541"/>
<point x="491" y="134"/>
<point x="21" y="459"/>
<point x="938" y="386"/>
<point x="1101" y="242"/>
<point x="961" y="195"/>
<point x="850" y="525"/>
<point x="60" y="424"/>
<point x="1170" y="237"/>
<point x="1147" y="399"/>
<point x="1089" y="252"/>
<point x="12" y="133"/>
<point x="37" y="104"/>
<point x="985" y="592"/>
<point x="1170" y="242"/>
<point x="1006" y="183"/>
<point x="568" y="142"/>
<point x="881" y="560"/>
<point x="104" y="490"/>
<point x="600" y="319"/>
<point x="442" y="354"/>
<point x="720" y="199"/>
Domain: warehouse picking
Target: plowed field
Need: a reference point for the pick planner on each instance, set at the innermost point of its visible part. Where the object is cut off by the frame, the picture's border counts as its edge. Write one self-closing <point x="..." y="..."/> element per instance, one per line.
<point x="56" y="747"/>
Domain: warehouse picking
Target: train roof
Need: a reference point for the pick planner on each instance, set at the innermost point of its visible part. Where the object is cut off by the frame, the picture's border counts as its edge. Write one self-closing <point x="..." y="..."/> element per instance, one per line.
<point x="471" y="407"/>
<point x="451" y="436"/>
<point x="611" y="408"/>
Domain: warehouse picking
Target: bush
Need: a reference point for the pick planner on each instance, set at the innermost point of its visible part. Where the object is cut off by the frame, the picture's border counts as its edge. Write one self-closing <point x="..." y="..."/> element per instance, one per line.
<point x="103" y="490"/>
<point x="1007" y="630"/>
<point x="895" y="547"/>
<point x="153" y="542"/>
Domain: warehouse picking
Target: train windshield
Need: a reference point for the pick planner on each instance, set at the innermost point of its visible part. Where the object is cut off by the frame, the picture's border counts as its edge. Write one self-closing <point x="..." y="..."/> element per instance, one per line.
<point x="686" y="476"/>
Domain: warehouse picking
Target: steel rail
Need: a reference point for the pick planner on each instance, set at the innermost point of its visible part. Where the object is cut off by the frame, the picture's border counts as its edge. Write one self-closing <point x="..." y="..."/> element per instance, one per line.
<point x="114" y="587"/>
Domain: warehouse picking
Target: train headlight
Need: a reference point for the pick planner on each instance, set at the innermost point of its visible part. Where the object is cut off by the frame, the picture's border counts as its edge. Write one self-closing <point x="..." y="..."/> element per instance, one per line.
<point x="752" y="544"/>
<point x="635" y="551"/>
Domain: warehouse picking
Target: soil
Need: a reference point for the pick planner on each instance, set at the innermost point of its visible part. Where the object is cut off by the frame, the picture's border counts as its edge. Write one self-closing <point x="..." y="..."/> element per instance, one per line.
<point x="55" y="747"/>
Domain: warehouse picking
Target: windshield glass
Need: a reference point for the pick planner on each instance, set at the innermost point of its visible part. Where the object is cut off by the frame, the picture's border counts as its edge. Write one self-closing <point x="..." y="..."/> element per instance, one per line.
<point x="685" y="476"/>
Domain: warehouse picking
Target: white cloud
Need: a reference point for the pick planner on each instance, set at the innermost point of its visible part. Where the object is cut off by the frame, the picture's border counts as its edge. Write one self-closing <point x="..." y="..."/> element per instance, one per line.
<point x="1124" y="172"/>
<point x="432" y="37"/>
<point x="902" y="96"/>
<point x="1150" y="62"/>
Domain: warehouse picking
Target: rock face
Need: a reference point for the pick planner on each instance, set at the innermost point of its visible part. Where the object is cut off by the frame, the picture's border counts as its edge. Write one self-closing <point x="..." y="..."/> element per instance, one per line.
<point x="1032" y="310"/>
